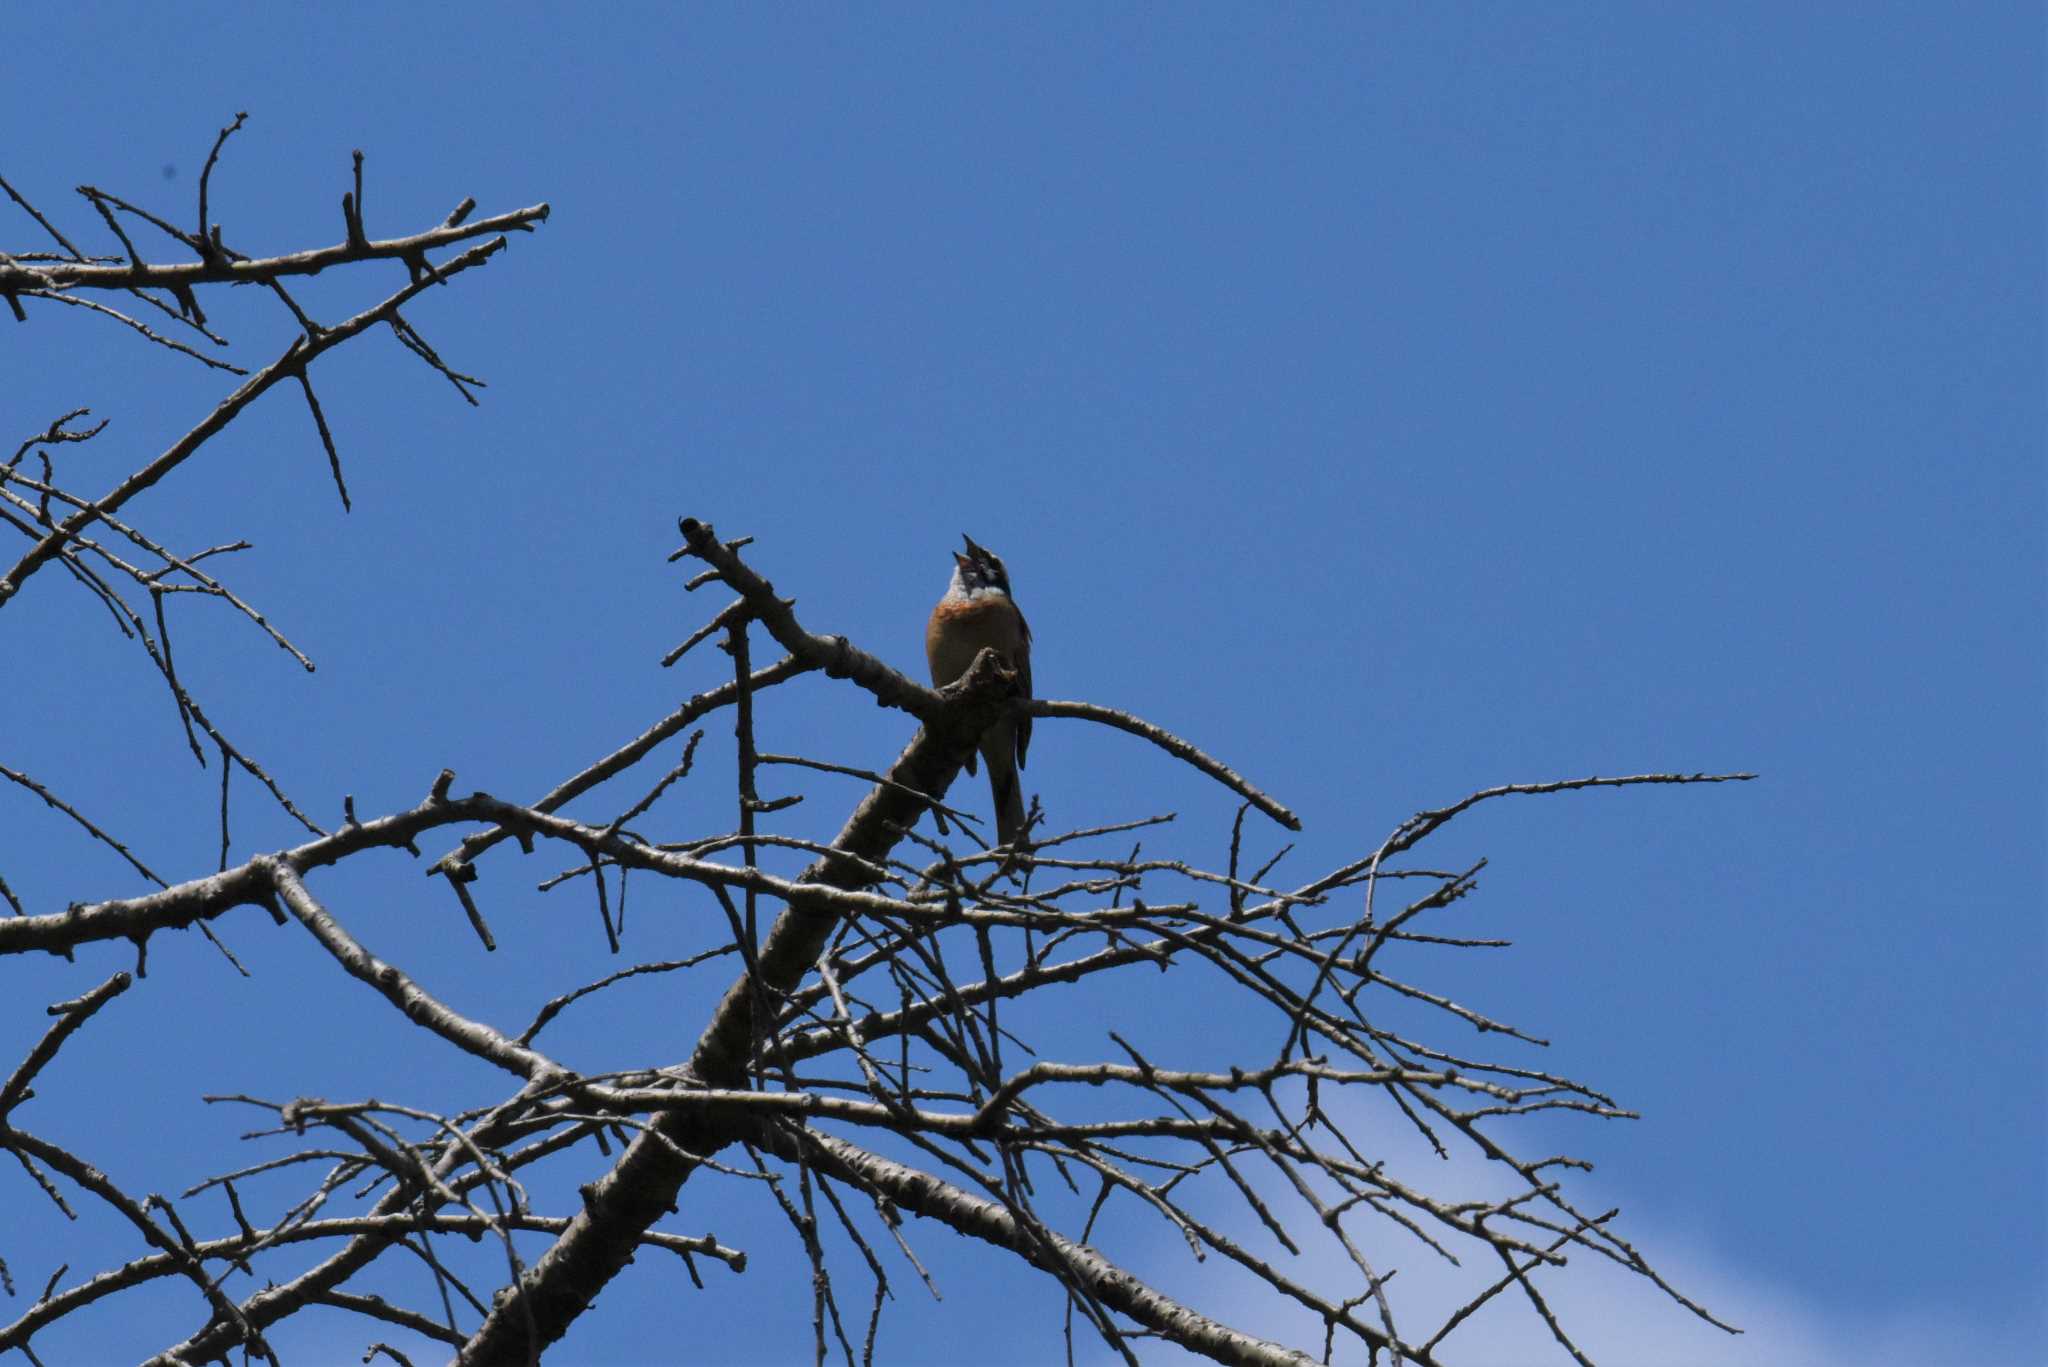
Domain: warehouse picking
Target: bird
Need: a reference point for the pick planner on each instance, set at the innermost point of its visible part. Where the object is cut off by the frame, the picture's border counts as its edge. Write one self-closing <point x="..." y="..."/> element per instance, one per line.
<point x="976" y="613"/>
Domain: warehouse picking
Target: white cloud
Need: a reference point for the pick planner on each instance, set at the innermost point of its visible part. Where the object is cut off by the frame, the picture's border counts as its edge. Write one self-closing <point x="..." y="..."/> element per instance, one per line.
<point x="1619" y="1319"/>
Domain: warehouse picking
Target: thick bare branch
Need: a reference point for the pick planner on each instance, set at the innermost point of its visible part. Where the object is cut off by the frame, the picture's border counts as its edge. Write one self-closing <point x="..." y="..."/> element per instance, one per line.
<point x="70" y="275"/>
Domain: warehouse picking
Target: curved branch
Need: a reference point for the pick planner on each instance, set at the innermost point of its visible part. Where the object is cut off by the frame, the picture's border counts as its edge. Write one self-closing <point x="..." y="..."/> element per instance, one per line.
<point x="923" y="1194"/>
<point x="1171" y="744"/>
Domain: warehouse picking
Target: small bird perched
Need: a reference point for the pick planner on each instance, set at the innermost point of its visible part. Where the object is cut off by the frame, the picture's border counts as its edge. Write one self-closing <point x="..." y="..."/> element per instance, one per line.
<point x="977" y="613"/>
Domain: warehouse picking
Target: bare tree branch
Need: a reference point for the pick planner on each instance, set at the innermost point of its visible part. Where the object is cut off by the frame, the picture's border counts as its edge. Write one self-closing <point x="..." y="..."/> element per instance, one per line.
<point x="887" y="1004"/>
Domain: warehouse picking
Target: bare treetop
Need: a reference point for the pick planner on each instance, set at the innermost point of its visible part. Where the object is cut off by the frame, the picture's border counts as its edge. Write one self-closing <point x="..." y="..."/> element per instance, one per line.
<point x="891" y="1034"/>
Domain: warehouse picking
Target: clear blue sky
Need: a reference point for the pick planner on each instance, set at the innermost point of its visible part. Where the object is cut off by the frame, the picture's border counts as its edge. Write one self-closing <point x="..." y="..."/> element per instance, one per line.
<point x="1397" y="400"/>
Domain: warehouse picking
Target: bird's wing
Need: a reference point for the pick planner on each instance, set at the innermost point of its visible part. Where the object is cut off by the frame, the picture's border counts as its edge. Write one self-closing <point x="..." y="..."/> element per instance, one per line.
<point x="1024" y="687"/>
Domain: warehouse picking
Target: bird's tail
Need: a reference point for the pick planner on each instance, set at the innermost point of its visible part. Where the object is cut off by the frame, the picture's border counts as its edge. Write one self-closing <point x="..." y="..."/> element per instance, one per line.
<point x="1008" y="792"/>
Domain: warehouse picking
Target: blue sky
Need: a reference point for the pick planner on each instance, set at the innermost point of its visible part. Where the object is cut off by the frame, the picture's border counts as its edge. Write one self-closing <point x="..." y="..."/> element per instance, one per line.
<point x="1396" y="400"/>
